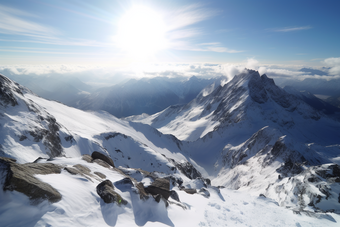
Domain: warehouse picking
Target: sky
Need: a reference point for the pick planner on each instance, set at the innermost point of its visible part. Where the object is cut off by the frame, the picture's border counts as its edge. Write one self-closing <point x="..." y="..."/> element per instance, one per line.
<point x="121" y="33"/>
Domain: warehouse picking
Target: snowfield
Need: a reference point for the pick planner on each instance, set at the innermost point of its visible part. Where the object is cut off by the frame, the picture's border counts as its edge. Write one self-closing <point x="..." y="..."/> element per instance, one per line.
<point x="81" y="206"/>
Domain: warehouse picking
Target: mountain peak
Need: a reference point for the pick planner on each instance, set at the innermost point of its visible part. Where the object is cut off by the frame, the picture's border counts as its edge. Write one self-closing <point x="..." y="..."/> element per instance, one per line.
<point x="7" y="94"/>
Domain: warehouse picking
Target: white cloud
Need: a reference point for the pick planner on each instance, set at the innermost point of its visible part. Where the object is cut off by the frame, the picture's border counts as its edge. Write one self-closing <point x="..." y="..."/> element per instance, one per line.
<point x="252" y="63"/>
<point x="208" y="47"/>
<point x="188" y="15"/>
<point x="291" y="29"/>
<point x="15" y="22"/>
<point x="334" y="64"/>
<point x="281" y="72"/>
<point x="105" y="75"/>
<point x="178" y="31"/>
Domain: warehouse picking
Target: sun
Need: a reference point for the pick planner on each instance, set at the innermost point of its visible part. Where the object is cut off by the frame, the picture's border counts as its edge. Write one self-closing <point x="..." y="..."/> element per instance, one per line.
<point x="141" y="32"/>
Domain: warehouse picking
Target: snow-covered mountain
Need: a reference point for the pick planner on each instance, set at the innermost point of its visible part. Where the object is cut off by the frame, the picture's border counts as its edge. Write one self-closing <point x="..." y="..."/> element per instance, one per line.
<point x="249" y="133"/>
<point x="33" y="127"/>
<point x="98" y="170"/>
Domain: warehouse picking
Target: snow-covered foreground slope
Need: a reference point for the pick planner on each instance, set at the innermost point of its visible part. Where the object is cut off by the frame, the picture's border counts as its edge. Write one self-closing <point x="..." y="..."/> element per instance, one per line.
<point x="81" y="206"/>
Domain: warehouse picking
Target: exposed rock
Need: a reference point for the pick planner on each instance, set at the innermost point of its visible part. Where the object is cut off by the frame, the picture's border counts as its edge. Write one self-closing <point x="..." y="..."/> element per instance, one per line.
<point x="101" y="175"/>
<point x="102" y="163"/>
<point x="72" y="170"/>
<point x="188" y="170"/>
<point x="159" y="197"/>
<point x="175" y="180"/>
<point x="141" y="191"/>
<point x="190" y="190"/>
<point x="124" y="181"/>
<point x="6" y="94"/>
<point x="20" y="177"/>
<point x="39" y="159"/>
<point x="174" y="196"/>
<point x="97" y="155"/>
<point x="106" y="191"/>
<point x="82" y="169"/>
<point x="87" y="158"/>
<point x="159" y="186"/>
<point x="313" y="187"/>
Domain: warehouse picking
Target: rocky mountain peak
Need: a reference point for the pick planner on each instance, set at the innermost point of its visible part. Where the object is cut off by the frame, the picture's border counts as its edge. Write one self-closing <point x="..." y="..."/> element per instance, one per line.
<point x="7" y="89"/>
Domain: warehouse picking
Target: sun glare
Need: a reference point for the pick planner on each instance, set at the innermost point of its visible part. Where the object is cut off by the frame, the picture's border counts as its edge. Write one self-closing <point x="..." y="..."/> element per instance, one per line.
<point x="141" y="32"/>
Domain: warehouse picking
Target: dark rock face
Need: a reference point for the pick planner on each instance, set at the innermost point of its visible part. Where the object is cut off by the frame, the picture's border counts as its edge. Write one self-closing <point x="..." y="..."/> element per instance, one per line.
<point x="262" y="88"/>
<point x="256" y="89"/>
<point x="188" y="170"/>
<point x="174" y="196"/>
<point x="141" y="191"/>
<point x="159" y="198"/>
<point x="124" y="181"/>
<point x="20" y="177"/>
<point x="175" y="180"/>
<point x="160" y="186"/>
<point x="97" y="155"/>
<point x="106" y="191"/>
<point x="6" y="95"/>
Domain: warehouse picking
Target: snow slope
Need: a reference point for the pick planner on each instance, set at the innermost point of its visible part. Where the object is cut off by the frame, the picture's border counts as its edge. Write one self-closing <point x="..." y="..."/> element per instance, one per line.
<point x="81" y="206"/>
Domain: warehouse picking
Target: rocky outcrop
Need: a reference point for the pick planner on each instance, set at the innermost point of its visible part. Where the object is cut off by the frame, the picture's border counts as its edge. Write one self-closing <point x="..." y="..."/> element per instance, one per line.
<point x="174" y="196"/>
<point x="81" y="170"/>
<point x="101" y="175"/>
<point x="106" y="191"/>
<point x="99" y="158"/>
<point x="160" y="186"/>
<point x="317" y="187"/>
<point x="96" y="155"/>
<point x="7" y="96"/>
<point x="20" y="177"/>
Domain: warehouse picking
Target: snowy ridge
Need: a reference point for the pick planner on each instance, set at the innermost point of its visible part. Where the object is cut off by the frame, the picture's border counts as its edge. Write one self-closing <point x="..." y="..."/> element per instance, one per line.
<point x="255" y="133"/>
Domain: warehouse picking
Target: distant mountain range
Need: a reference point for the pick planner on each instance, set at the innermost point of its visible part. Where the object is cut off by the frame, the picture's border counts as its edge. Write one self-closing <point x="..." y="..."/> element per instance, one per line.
<point x="147" y="95"/>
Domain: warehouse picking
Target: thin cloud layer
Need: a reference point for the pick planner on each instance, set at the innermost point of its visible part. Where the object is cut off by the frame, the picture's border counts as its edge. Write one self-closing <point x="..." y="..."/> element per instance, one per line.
<point x="13" y="23"/>
<point x="291" y="29"/>
<point x="179" y="30"/>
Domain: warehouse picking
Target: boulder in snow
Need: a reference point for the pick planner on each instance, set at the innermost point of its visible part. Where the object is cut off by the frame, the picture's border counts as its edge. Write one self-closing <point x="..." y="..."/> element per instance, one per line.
<point x="106" y="191"/>
<point x="96" y="155"/>
<point x="159" y="186"/>
<point x="20" y="177"/>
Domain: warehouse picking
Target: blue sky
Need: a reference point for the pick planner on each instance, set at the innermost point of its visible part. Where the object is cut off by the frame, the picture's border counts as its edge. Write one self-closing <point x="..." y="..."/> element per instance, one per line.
<point x="90" y="32"/>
